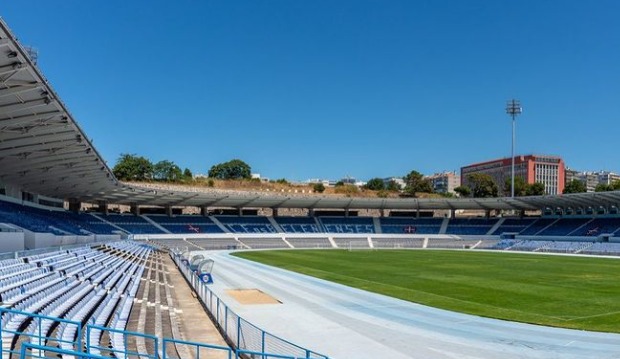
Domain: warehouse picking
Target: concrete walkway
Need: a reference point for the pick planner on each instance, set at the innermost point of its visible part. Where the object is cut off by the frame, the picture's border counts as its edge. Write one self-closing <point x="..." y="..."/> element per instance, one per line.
<point x="196" y="326"/>
<point x="344" y="322"/>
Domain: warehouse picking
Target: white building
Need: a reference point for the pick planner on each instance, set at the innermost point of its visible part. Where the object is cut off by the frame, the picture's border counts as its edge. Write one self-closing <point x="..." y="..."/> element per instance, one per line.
<point x="445" y="182"/>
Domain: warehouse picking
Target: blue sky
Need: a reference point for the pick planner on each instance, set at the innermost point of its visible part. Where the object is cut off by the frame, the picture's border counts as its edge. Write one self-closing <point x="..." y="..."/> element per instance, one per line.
<point x="326" y="89"/>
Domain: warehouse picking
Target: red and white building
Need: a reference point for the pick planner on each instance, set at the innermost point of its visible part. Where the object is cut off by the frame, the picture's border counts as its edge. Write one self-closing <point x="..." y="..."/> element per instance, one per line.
<point x="549" y="170"/>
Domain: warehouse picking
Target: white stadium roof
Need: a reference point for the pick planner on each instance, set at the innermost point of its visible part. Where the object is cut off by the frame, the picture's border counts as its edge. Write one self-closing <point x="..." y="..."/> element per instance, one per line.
<point x="43" y="150"/>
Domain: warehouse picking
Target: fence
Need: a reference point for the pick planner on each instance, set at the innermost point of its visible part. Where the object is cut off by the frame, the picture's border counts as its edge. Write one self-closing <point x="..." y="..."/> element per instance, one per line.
<point x="247" y="338"/>
<point x="31" y="335"/>
<point x="38" y="342"/>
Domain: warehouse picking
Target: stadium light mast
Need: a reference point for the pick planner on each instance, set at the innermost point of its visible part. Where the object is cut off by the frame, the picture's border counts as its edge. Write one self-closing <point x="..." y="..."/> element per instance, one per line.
<point x="513" y="108"/>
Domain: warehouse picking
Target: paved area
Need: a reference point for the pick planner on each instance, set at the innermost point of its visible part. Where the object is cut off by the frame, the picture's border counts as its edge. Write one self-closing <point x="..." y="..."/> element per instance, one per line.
<point x="196" y="326"/>
<point x="344" y="322"/>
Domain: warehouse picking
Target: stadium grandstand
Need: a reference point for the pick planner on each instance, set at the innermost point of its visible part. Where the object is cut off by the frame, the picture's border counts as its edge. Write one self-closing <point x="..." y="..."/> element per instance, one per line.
<point x="98" y="284"/>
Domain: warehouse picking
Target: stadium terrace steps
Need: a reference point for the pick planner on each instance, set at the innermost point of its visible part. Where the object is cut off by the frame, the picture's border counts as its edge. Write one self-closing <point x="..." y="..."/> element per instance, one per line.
<point x="377" y="224"/>
<point x="62" y="222"/>
<point x="444" y="226"/>
<point x="395" y="243"/>
<point x="551" y="224"/>
<point x="263" y="242"/>
<point x="470" y="226"/>
<point x="132" y="223"/>
<point x="275" y="225"/>
<point x="288" y="243"/>
<point x="191" y="244"/>
<point x="496" y="226"/>
<point x="580" y="227"/>
<point x="100" y="218"/>
<point x="186" y="224"/>
<point x="598" y="226"/>
<point x="216" y="243"/>
<point x="155" y="224"/>
<point x="247" y="224"/>
<point x="310" y="242"/>
<point x="563" y="226"/>
<point x="219" y="224"/>
<point x="156" y="312"/>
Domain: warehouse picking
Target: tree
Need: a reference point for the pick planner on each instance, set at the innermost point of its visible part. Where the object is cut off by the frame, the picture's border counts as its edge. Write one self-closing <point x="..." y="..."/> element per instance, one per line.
<point x="375" y="184"/>
<point x="130" y="167"/>
<point x="603" y="187"/>
<point x="524" y="189"/>
<point x="318" y="187"/>
<point x="535" y="189"/>
<point x="575" y="186"/>
<point x="520" y="186"/>
<point x="167" y="171"/>
<point x="234" y="169"/>
<point x="416" y="183"/>
<point x="482" y="185"/>
<point x="392" y="186"/>
<point x="463" y="191"/>
<point x="187" y="174"/>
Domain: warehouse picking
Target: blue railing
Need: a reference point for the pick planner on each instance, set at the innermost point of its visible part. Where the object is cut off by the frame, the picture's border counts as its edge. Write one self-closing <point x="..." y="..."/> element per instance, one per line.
<point x="194" y="350"/>
<point x="37" y="340"/>
<point x="32" y="351"/>
<point x="120" y="349"/>
<point x="245" y="336"/>
<point x="37" y="335"/>
<point x="36" y="343"/>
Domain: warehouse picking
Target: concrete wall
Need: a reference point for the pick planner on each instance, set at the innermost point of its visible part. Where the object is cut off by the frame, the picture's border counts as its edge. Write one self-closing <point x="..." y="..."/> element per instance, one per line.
<point x="107" y="237"/>
<point x="44" y="240"/>
<point x="11" y="241"/>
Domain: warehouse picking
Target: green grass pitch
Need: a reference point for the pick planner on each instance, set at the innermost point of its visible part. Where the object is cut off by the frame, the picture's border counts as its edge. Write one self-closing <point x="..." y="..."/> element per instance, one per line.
<point x="562" y="291"/>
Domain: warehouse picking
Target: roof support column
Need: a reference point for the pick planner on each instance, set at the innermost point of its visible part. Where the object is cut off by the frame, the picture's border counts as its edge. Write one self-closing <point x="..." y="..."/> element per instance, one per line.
<point x="274" y="212"/>
<point x="240" y="211"/>
<point x="168" y="211"/>
<point x="204" y="211"/>
<point x="310" y="212"/>
<point x="346" y="212"/>
<point x="135" y="209"/>
<point x="74" y="205"/>
<point x="453" y="213"/>
<point x="102" y="207"/>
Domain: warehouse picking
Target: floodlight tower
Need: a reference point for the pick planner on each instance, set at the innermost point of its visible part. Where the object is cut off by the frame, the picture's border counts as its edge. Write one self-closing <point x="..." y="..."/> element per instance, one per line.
<point x="513" y="108"/>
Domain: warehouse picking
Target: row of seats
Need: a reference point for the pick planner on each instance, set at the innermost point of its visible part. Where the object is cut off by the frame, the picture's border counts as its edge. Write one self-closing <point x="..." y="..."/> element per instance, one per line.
<point x="584" y="247"/>
<point x="87" y="282"/>
<point x="58" y="222"/>
<point x="577" y="247"/>
<point x="64" y="222"/>
<point x="402" y="225"/>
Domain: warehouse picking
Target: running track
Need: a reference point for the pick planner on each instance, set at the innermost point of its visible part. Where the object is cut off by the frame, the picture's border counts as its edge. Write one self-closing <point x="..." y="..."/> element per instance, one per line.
<point x="347" y="323"/>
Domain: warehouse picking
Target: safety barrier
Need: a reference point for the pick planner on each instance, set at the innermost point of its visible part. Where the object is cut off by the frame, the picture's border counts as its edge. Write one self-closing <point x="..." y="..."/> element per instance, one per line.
<point x="36" y="343"/>
<point x="35" y="334"/>
<point x="247" y="338"/>
<point x="194" y="350"/>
